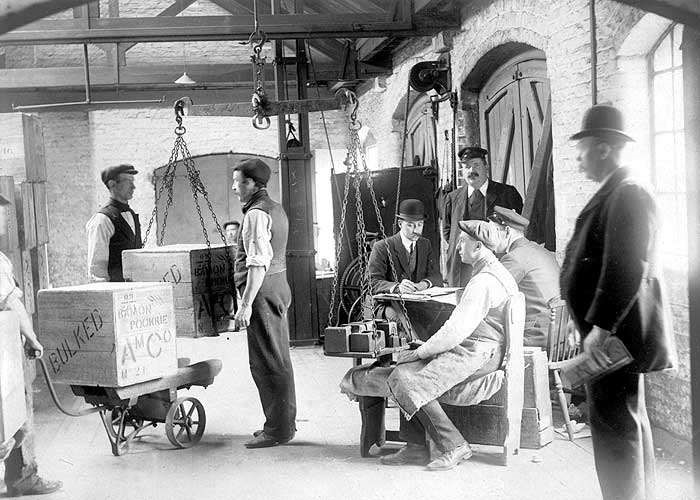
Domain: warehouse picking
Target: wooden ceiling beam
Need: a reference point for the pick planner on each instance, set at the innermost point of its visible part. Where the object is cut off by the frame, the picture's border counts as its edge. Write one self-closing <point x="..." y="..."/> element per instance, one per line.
<point x="17" y="13"/>
<point x="168" y="29"/>
<point x="74" y="77"/>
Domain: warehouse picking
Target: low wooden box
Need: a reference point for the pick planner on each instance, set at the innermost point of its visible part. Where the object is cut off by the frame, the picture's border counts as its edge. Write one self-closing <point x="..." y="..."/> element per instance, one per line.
<point x="13" y="410"/>
<point x="108" y="334"/>
<point x="199" y="310"/>
<point x="482" y="423"/>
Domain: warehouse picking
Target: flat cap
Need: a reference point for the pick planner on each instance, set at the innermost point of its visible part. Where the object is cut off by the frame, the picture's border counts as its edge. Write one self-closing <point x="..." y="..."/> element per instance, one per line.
<point x="486" y="232"/>
<point x="112" y="173"/>
<point x="469" y="152"/>
<point x="3" y="200"/>
<point x="254" y="168"/>
<point x="509" y="217"/>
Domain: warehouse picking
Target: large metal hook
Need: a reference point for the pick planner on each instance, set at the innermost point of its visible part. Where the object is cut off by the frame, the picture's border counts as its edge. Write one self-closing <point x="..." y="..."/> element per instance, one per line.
<point x="351" y="103"/>
<point x="261" y="39"/>
<point x="181" y="108"/>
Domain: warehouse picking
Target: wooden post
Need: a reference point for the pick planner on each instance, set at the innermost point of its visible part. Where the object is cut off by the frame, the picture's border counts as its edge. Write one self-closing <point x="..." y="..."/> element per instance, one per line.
<point x="691" y="83"/>
<point x="296" y="187"/>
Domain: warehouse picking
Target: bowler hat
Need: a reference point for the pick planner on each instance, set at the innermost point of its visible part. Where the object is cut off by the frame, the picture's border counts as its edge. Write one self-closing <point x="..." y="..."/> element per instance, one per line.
<point x="602" y="120"/>
<point x="483" y="231"/>
<point x="411" y="210"/>
<point x="254" y="168"/>
<point x="470" y="152"/>
<point x="509" y="217"/>
<point x="112" y="173"/>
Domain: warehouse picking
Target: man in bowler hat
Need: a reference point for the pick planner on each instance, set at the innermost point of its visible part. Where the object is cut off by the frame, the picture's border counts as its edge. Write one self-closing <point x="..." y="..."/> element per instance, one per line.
<point x="611" y="281"/>
<point x="411" y="255"/>
<point x="473" y="201"/>
<point x="261" y="278"/>
<point x="115" y="227"/>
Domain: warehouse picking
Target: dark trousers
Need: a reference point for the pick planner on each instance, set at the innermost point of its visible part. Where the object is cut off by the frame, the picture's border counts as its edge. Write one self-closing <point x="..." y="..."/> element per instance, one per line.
<point x="431" y="418"/>
<point x="268" y="355"/>
<point x="20" y="464"/>
<point x="622" y="444"/>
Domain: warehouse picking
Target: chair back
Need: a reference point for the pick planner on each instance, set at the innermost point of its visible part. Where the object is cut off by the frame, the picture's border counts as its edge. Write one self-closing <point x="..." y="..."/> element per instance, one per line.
<point x="561" y="346"/>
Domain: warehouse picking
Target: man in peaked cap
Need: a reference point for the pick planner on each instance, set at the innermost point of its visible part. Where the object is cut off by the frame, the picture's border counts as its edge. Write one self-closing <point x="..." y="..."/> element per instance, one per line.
<point x="115" y="227"/>
<point x="473" y="201"/>
<point x="261" y="278"/>
<point x="533" y="267"/>
<point x="21" y="476"/>
<point x="612" y="284"/>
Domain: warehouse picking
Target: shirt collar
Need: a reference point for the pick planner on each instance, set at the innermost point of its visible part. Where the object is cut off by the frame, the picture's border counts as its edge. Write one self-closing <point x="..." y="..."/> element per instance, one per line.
<point x="484" y="187"/>
<point x="406" y="242"/>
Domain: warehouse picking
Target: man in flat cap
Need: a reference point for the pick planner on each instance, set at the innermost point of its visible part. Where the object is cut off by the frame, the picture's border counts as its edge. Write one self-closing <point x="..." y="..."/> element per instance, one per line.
<point x="21" y="476"/>
<point x="411" y="255"/>
<point x="261" y="278"/>
<point x="470" y="344"/>
<point x="534" y="268"/>
<point x="115" y="227"/>
<point x="473" y="201"/>
<point x="611" y="280"/>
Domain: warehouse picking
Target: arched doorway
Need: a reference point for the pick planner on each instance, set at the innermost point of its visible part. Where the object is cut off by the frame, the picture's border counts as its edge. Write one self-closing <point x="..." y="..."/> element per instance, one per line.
<point x="511" y="91"/>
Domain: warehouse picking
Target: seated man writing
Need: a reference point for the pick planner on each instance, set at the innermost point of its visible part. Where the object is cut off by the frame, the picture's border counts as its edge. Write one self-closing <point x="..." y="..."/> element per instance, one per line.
<point x="468" y="346"/>
<point x="411" y="256"/>
<point x="534" y="268"/>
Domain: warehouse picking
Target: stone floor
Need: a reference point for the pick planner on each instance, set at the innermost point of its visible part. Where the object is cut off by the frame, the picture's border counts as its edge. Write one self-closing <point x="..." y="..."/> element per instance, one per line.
<point x="323" y="461"/>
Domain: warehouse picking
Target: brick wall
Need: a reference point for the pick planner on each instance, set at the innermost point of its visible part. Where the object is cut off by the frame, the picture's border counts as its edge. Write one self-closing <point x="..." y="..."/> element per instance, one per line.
<point x="561" y="30"/>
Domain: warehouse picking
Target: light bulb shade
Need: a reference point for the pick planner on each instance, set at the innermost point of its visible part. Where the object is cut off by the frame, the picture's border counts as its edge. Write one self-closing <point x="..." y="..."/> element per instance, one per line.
<point x="185" y="79"/>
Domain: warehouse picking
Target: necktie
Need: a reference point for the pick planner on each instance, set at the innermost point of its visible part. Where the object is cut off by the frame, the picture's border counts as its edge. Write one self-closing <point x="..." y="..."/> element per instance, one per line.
<point x="477" y="207"/>
<point x="412" y="261"/>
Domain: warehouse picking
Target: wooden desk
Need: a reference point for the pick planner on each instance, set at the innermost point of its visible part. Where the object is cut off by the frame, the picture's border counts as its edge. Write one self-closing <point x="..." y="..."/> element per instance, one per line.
<point x="425" y="315"/>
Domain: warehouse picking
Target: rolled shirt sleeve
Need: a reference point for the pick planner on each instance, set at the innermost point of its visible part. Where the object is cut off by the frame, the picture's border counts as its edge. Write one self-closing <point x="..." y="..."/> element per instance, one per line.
<point x="8" y="286"/>
<point x="482" y="293"/>
<point x="257" y="238"/>
<point x="99" y="231"/>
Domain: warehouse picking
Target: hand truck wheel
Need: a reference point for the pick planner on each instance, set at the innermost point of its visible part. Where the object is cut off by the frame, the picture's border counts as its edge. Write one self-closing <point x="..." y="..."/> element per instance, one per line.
<point x="185" y="422"/>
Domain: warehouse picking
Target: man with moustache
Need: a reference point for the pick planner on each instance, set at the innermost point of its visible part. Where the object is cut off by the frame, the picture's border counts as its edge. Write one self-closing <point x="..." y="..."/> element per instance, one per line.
<point x="473" y="201"/>
<point x="611" y="280"/>
<point x="114" y="228"/>
<point x="261" y="278"/>
<point x="21" y="476"/>
<point x="411" y="255"/>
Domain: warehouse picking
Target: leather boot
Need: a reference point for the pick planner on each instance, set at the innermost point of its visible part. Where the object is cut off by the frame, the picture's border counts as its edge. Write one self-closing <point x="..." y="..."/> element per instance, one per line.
<point x="373" y="430"/>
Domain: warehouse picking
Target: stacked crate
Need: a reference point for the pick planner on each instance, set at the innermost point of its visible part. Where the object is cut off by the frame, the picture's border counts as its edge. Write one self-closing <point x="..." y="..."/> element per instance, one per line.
<point x="22" y="160"/>
<point x="108" y="334"/>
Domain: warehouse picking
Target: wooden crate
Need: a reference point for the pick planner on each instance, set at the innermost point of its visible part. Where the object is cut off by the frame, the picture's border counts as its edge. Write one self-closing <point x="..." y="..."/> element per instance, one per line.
<point x="199" y="311"/>
<point x="41" y="213"/>
<point x="108" y="334"/>
<point x="482" y="424"/>
<point x="22" y="153"/>
<point x="40" y="266"/>
<point x="27" y="281"/>
<point x="13" y="410"/>
<point x="9" y="242"/>
<point x="28" y="228"/>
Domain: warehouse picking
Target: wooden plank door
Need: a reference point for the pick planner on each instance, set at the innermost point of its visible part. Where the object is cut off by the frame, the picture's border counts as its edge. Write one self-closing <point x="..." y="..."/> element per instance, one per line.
<point x="513" y="104"/>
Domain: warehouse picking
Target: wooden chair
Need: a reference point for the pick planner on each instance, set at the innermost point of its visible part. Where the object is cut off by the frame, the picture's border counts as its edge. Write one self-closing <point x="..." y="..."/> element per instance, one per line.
<point x="497" y="421"/>
<point x="561" y="349"/>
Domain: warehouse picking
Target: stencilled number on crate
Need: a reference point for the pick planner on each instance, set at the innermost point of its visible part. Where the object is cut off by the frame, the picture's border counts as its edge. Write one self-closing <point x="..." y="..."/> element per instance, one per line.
<point x="83" y="333"/>
<point x="173" y="275"/>
<point x="133" y="372"/>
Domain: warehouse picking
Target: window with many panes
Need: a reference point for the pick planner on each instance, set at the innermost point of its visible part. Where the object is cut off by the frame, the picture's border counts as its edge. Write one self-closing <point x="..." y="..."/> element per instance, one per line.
<point x="668" y="142"/>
